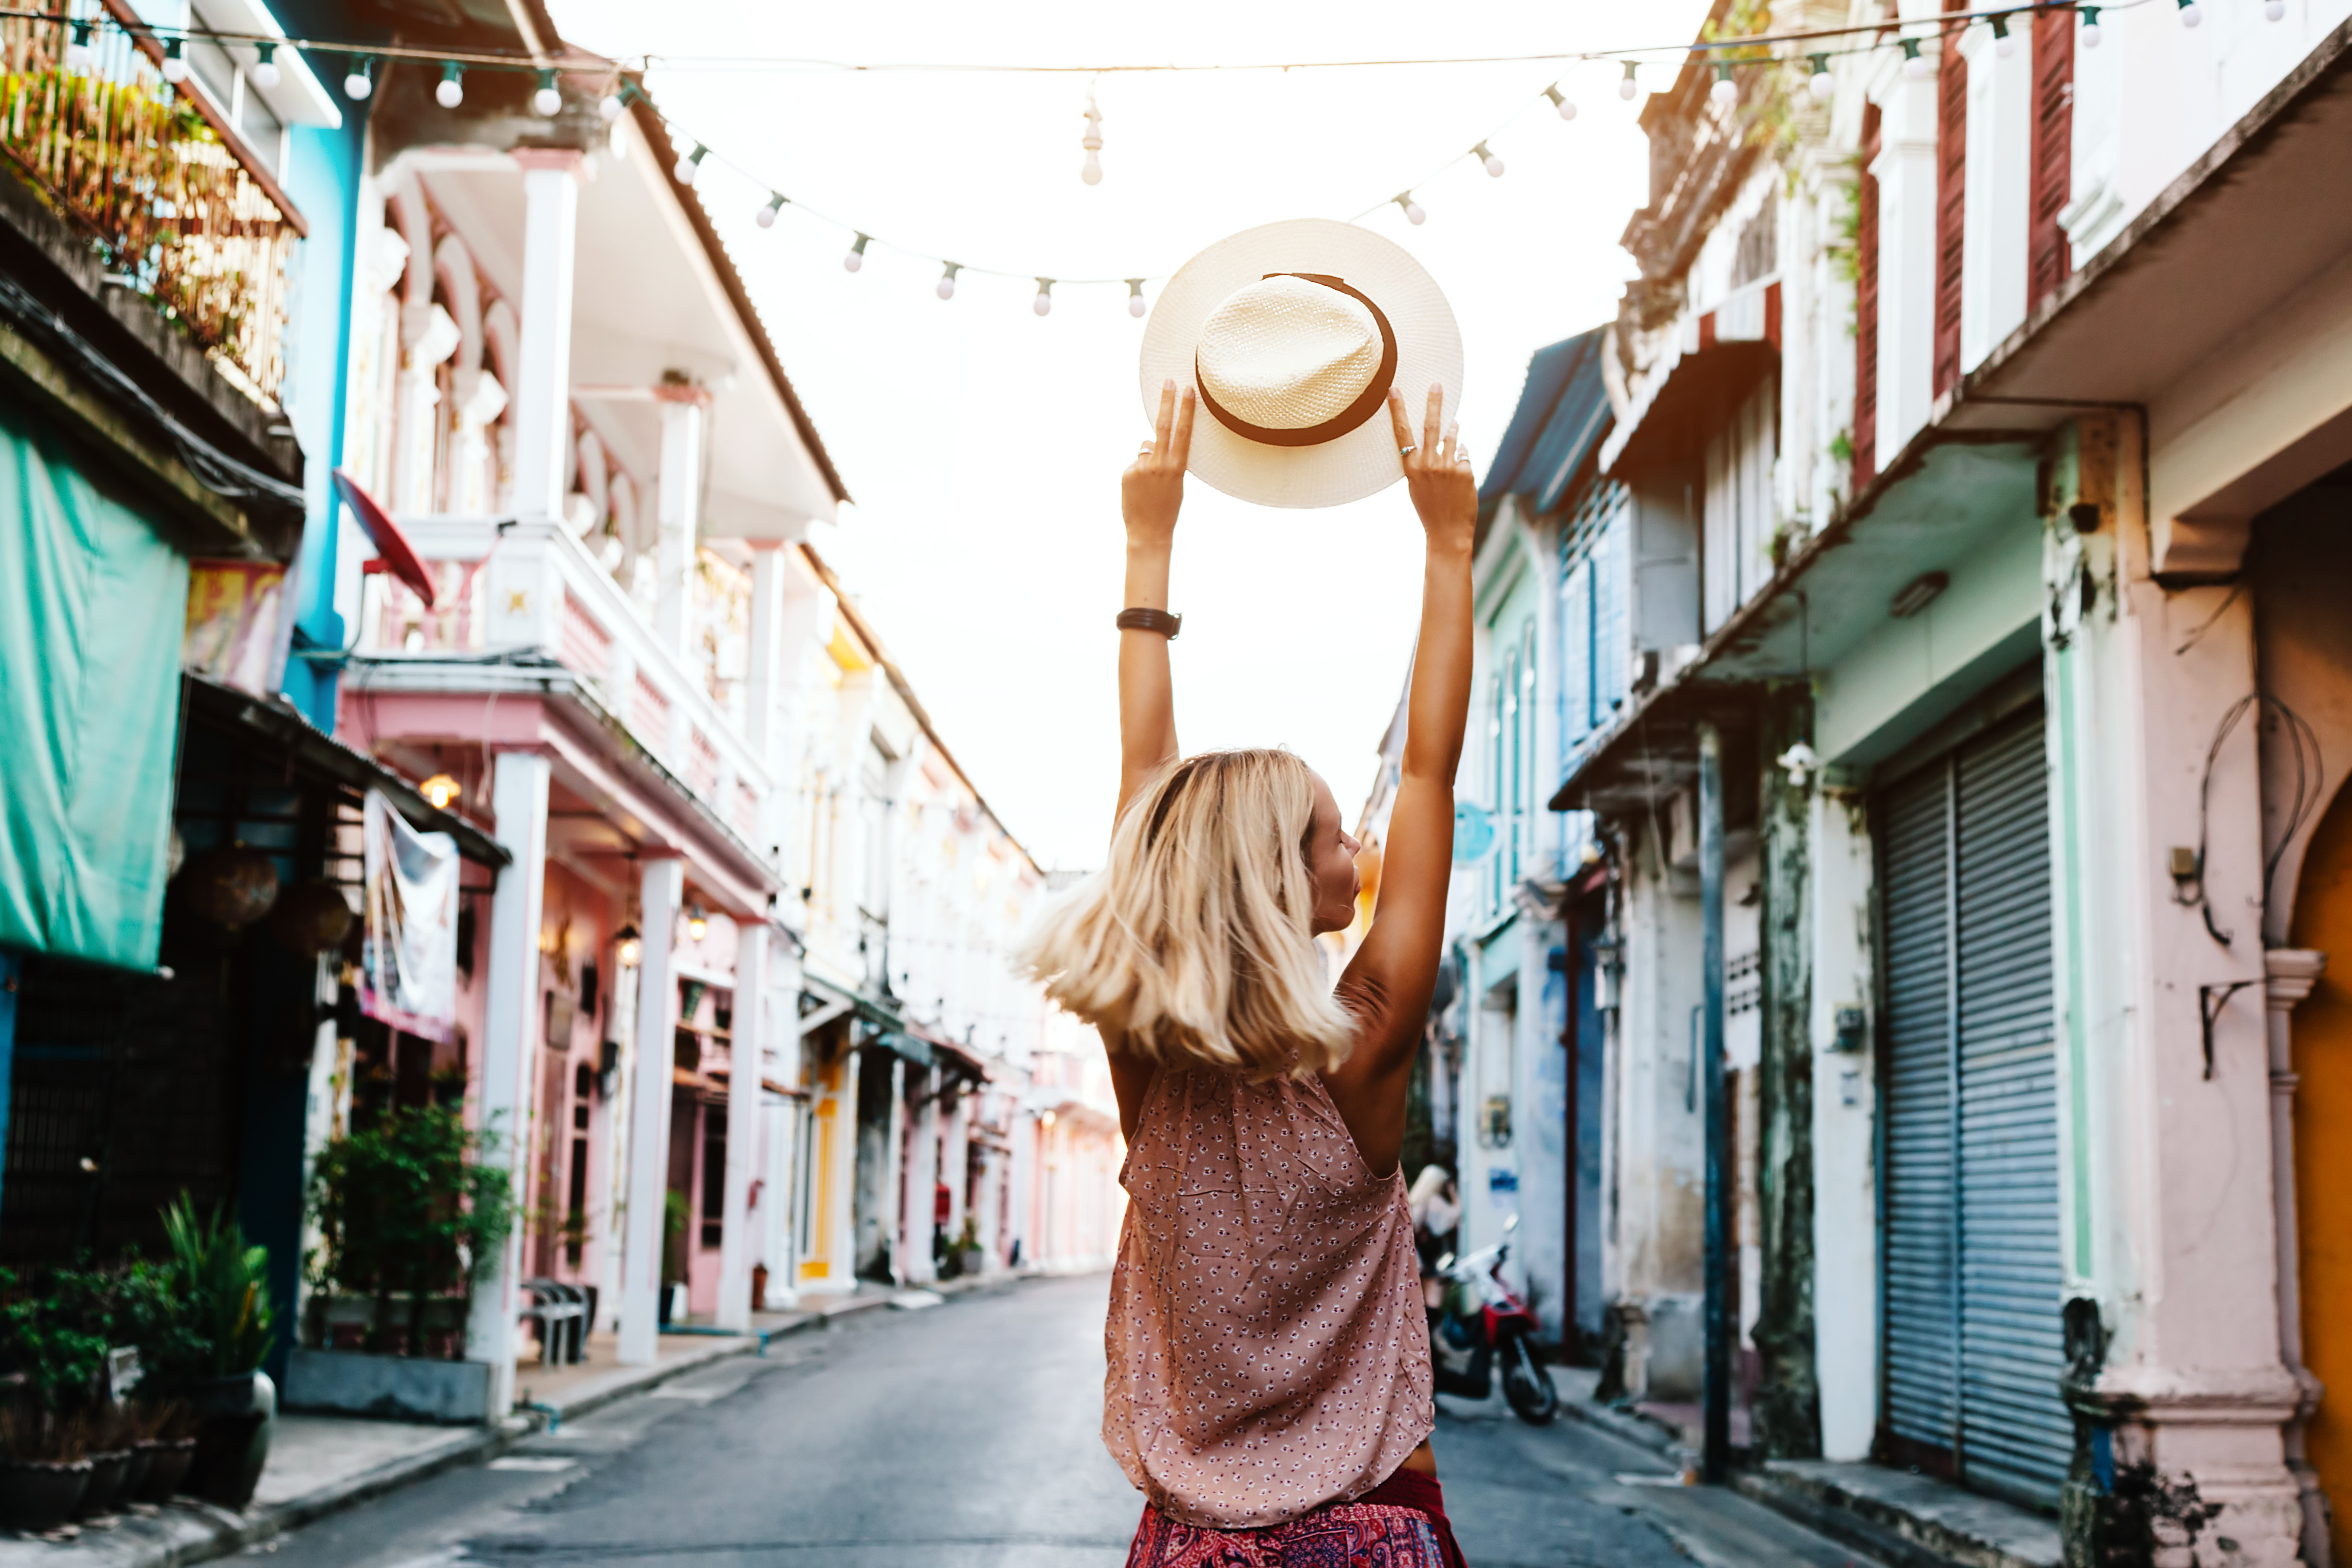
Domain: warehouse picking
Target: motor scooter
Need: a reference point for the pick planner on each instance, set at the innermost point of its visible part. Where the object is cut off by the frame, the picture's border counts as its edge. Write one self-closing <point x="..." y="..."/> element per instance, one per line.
<point x="1483" y="1319"/>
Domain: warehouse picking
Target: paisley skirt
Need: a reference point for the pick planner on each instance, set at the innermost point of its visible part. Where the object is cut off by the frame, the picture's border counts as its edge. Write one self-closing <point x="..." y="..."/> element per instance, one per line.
<point x="1401" y="1523"/>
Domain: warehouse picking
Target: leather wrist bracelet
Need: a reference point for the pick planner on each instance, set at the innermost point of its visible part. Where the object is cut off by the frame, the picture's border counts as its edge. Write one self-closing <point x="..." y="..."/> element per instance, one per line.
<point x="1159" y="621"/>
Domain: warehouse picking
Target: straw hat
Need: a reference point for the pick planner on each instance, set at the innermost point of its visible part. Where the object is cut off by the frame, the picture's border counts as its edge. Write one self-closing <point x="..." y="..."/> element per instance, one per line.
<point x="1292" y="333"/>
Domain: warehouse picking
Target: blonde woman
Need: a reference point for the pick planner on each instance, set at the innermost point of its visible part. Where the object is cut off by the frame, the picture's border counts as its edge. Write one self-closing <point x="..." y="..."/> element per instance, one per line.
<point x="1269" y="1357"/>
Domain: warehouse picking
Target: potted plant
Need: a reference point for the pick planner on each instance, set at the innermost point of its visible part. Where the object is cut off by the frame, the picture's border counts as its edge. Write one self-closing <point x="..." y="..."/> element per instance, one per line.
<point x="44" y="1409"/>
<point x="157" y="1313"/>
<point x="236" y="1404"/>
<point x="970" y="1258"/>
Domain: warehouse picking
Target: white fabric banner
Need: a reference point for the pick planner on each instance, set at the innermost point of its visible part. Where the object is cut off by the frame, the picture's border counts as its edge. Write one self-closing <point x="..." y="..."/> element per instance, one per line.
<point x="408" y="969"/>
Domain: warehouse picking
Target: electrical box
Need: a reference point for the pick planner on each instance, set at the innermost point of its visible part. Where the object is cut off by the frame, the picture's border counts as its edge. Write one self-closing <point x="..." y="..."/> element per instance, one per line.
<point x="1853" y="1029"/>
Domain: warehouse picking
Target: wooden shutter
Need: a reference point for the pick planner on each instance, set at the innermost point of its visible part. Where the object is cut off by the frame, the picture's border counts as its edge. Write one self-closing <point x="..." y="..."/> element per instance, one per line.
<point x="1865" y="304"/>
<point x="1951" y="199"/>
<point x="2048" y="259"/>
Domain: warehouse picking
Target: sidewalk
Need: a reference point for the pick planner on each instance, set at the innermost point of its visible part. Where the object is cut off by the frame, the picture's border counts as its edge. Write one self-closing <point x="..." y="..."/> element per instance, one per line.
<point x="1896" y="1516"/>
<point x="321" y="1465"/>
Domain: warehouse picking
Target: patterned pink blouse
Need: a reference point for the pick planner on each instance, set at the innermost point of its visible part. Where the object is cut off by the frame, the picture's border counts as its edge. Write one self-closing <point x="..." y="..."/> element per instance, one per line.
<point x="1268" y="1349"/>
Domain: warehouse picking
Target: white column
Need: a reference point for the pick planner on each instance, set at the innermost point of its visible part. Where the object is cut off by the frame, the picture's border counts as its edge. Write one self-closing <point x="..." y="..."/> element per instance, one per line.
<point x="2291" y="973"/>
<point x="509" y="1035"/>
<point x="761" y="687"/>
<point x="780" y="1197"/>
<point x="680" y="514"/>
<point x="920" y="1201"/>
<point x="744" y="1053"/>
<point x="1905" y="171"/>
<point x="661" y="885"/>
<point x="1845" y="1183"/>
<point x="542" y="389"/>
<point x="611" y="1133"/>
<point x="427" y="337"/>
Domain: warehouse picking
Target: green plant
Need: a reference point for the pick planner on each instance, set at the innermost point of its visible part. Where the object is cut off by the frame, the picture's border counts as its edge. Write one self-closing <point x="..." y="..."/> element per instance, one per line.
<point x="227" y="1284"/>
<point x="412" y="1206"/>
<point x="673" y="1222"/>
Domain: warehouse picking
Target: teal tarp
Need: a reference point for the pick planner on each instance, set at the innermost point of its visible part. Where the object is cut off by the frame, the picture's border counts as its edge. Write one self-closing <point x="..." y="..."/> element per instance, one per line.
<point x="92" y="608"/>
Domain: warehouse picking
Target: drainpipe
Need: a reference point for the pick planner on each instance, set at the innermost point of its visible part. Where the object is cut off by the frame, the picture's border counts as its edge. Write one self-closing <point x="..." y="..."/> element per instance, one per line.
<point x="1722" y="1323"/>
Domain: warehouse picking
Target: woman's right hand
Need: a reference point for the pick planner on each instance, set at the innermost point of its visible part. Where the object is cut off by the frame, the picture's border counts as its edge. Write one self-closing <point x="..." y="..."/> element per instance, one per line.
<point x="1437" y="474"/>
<point x="1153" y="486"/>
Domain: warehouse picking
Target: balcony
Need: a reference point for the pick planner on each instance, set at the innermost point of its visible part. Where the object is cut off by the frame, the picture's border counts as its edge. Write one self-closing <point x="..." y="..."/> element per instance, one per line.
<point x="179" y="211"/>
<point x="526" y="587"/>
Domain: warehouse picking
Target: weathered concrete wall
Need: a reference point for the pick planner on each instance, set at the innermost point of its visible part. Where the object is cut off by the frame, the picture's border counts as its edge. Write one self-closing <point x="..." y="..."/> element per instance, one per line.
<point x="1787" y="1412"/>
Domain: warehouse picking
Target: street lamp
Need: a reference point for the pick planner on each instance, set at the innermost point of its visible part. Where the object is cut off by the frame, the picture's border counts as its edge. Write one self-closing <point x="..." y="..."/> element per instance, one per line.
<point x="629" y="947"/>
<point x="697" y="923"/>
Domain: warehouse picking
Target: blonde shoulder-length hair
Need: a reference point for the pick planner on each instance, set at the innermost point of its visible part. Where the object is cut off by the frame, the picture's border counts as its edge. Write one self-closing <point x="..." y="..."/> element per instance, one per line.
<point x="1194" y="941"/>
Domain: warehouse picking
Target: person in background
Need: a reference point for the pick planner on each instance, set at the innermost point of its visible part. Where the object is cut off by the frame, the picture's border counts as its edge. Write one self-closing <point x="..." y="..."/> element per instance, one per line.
<point x="1436" y="1213"/>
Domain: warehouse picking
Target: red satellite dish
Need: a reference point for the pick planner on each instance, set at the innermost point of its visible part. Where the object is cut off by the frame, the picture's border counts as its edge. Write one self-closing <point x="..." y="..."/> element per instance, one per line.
<point x="399" y="556"/>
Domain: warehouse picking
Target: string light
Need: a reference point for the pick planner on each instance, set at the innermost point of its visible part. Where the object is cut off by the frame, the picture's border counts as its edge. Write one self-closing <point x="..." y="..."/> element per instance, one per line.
<point x="613" y="104"/>
<point x="359" y="80"/>
<point x="1494" y="165"/>
<point x="1412" y="213"/>
<point x="1821" y="85"/>
<point x="265" y="73"/>
<point x="2003" y="43"/>
<point x="451" y="90"/>
<point x="548" y="99"/>
<point x="1044" y="304"/>
<point x="176" y="64"/>
<point x="2275" y="10"/>
<point x="855" y="259"/>
<point x="689" y="167"/>
<point x="2191" y="14"/>
<point x="1627" y="87"/>
<point x="766" y="216"/>
<point x="945" y="289"/>
<point x="1135" y="305"/>
<point x="2090" y="14"/>
<point x="1726" y="91"/>
<point x="1092" y="173"/>
<point x="1566" y="107"/>
<point x="78" y="53"/>
<point x="1915" y="65"/>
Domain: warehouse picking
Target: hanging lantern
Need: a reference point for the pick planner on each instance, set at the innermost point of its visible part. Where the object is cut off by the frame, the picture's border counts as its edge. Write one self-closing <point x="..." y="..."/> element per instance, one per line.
<point x="311" y="918"/>
<point x="231" y="886"/>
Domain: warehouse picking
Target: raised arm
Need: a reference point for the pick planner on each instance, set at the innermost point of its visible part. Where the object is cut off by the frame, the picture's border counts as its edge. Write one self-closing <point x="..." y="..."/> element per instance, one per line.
<point x="1149" y="495"/>
<point x="1394" y="972"/>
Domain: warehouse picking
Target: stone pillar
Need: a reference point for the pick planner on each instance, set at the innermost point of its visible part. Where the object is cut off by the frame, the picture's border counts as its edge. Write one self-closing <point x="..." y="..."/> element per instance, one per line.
<point x="510" y="1017"/>
<point x="780" y="1241"/>
<point x="682" y="411"/>
<point x="1906" y="172"/>
<point x="542" y="374"/>
<point x="2291" y="973"/>
<point x="1845" y="1178"/>
<point x="745" y="1066"/>
<point x="610" y="1132"/>
<point x="919" y="1200"/>
<point x="662" y="884"/>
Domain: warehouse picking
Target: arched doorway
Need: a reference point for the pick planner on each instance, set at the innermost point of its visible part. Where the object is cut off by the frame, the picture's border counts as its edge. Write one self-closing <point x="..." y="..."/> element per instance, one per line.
<point x="2322" y="1151"/>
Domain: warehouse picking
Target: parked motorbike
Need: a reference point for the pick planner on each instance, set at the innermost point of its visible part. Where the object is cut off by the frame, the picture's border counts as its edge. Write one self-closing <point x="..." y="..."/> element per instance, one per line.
<point x="1483" y="1320"/>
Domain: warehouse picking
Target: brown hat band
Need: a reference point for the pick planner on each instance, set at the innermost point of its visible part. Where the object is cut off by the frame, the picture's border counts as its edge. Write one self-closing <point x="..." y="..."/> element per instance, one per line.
<point x="1366" y="403"/>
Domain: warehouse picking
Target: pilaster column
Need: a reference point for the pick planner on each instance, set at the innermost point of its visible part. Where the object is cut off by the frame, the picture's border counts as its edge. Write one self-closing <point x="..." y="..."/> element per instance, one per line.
<point x="917" y="1203"/>
<point x="661" y="886"/>
<point x="745" y="1055"/>
<point x="542" y="374"/>
<point x="683" y="407"/>
<point x="609" y="1133"/>
<point x="2289" y="974"/>
<point x="1906" y="172"/>
<point x="780" y="1196"/>
<point x="503" y="1094"/>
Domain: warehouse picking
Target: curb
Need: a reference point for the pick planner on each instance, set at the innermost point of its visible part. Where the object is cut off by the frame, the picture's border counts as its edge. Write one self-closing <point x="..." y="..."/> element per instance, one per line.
<point x="1627" y="1426"/>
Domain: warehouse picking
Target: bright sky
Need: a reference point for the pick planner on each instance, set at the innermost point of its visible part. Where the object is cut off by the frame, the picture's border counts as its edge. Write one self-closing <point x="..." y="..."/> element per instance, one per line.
<point x="984" y="445"/>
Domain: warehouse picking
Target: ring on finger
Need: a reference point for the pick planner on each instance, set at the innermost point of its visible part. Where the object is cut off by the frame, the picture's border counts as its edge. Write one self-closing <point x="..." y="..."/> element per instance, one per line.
<point x="1407" y="452"/>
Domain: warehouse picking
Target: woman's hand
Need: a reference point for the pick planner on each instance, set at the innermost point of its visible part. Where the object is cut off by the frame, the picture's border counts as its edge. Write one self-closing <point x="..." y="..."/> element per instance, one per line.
<point x="1437" y="474"/>
<point x="1153" y="487"/>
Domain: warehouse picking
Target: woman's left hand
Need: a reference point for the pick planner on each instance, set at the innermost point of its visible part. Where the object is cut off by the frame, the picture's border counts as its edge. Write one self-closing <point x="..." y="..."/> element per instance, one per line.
<point x="1438" y="473"/>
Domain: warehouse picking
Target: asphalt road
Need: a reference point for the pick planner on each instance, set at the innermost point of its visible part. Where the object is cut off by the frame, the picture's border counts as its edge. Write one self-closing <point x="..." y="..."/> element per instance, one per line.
<point x="966" y="1435"/>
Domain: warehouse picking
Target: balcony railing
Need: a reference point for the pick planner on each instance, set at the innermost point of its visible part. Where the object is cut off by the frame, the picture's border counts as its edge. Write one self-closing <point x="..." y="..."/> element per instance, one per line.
<point x="135" y="164"/>
<point x="534" y="587"/>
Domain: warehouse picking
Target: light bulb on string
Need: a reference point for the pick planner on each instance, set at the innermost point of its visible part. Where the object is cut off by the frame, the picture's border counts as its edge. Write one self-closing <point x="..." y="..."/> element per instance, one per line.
<point x="1044" y="304"/>
<point x="175" y="63"/>
<point x="945" y="289"/>
<point x="766" y="216"/>
<point x="1493" y="166"/>
<point x="2191" y="14"/>
<point x="2004" y="42"/>
<point x="1822" y="84"/>
<point x="1135" y="302"/>
<point x="689" y="168"/>
<point x="359" y="80"/>
<point x="450" y="91"/>
<point x="78" y="52"/>
<point x="2090" y="34"/>
<point x="1412" y="213"/>
<point x="1726" y="91"/>
<point x="856" y="257"/>
<point x="547" y="98"/>
<point x="1566" y="107"/>
<point x="265" y="73"/>
<point x="1915" y="65"/>
<point x="1627" y="87"/>
<point x="613" y="104"/>
<point x="1092" y="141"/>
<point x="2275" y="10"/>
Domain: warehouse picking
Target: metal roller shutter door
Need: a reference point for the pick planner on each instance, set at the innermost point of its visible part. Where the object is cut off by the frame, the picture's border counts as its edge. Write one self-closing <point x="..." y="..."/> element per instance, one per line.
<point x="1973" y="1280"/>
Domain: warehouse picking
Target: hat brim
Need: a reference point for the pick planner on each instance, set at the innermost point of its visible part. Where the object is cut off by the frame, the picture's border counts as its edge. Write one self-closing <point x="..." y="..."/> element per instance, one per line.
<point x="1365" y="460"/>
